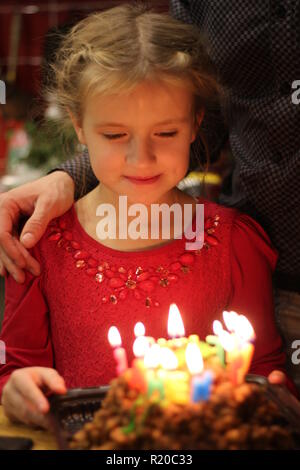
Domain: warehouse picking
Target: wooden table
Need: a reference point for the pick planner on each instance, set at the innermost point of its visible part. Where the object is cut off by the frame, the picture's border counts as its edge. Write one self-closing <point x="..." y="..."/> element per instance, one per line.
<point x="43" y="440"/>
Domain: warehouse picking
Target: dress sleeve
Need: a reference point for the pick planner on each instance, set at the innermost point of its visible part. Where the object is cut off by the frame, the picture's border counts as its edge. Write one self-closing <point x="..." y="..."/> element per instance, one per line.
<point x="25" y="329"/>
<point x="253" y="260"/>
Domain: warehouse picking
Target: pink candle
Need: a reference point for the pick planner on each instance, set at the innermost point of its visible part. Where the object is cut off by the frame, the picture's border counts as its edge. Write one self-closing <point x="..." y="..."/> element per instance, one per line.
<point x="120" y="356"/>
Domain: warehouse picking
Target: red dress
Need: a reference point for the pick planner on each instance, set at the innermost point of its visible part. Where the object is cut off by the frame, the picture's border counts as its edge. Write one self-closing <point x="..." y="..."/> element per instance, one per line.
<point x="61" y="318"/>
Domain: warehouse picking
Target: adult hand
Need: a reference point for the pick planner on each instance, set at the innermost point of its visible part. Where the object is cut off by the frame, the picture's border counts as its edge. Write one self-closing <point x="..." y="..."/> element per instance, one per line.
<point x="23" y="396"/>
<point x="43" y="200"/>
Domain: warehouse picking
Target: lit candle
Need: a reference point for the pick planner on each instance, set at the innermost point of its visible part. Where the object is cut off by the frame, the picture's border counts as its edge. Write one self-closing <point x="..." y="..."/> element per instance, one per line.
<point x="237" y="344"/>
<point x="136" y="376"/>
<point x="141" y="343"/>
<point x="176" y="332"/>
<point x="152" y="357"/>
<point x="175" y="323"/>
<point x="246" y="336"/>
<point x="152" y="362"/>
<point x="120" y="356"/>
<point x="200" y="382"/>
<point x="175" y="382"/>
<point x="168" y="359"/>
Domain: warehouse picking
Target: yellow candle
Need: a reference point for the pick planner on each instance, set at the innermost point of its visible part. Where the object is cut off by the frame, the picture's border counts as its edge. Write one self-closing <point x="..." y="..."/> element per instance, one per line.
<point x="176" y="385"/>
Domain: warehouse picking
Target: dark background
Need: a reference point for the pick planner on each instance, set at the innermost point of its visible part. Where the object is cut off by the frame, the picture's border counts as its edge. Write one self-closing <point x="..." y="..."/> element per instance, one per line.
<point x="33" y="20"/>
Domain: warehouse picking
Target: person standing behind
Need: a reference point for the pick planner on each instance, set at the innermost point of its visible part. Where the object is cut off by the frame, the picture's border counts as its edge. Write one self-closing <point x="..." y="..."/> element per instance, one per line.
<point x="256" y="50"/>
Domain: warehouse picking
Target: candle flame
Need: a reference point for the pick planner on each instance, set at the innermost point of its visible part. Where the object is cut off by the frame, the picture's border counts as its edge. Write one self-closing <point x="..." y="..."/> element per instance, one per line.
<point x="114" y="337"/>
<point x="227" y="341"/>
<point x="152" y="357"/>
<point x="245" y="329"/>
<point x="217" y="327"/>
<point x="175" y="323"/>
<point x="139" y="329"/>
<point x="140" y="346"/>
<point x="240" y="329"/>
<point x="194" y="359"/>
<point x="240" y="325"/>
<point x="168" y="359"/>
<point x="230" y="320"/>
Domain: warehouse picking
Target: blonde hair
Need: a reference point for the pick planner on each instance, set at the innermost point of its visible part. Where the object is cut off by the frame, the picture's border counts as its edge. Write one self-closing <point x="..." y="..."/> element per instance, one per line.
<point x="113" y="50"/>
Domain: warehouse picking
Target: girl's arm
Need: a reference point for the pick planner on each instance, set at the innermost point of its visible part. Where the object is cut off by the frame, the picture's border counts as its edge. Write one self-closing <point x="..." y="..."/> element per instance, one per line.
<point x="253" y="261"/>
<point x="27" y="373"/>
<point x="25" y="329"/>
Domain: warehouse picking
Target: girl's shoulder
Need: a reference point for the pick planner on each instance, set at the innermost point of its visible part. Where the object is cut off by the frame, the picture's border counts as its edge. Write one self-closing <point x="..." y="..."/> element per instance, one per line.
<point x="237" y="230"/>
<point x="213" y="209"/>
<point x="59" y="230"/>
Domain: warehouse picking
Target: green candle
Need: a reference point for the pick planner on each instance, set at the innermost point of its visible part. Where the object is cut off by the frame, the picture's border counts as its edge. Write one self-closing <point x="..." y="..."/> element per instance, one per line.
<point x="206" y="349"/>
<point x="215" y="341"/>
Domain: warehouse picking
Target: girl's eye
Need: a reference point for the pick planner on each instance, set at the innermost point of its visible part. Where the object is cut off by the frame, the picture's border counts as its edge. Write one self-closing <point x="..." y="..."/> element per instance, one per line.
<point x="167" y="134"/>
<point x="113" y="136"/>
<point x="160" y="134"/>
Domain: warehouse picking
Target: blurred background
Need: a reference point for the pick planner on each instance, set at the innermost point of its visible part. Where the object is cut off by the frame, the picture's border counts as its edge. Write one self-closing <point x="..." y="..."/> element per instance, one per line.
<point x="27" y="44"/>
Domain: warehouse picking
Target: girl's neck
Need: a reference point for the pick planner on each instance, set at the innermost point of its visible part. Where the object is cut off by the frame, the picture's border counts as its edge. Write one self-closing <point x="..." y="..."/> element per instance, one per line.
<point x="86" y="213"/>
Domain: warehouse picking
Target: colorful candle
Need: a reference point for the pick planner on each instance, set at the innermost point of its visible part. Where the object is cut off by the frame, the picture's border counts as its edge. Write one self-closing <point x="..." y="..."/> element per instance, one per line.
<point x="215" y="341"/>
<point x="201" y="386"/>
<point x="237" y="343"/>
<point x="200" y="382"/>
<point x="175" y="382"/>
<point x="151" y="363"/>
<point x="136" y="376"/>
<point x="176" y="385"/>
<point x="173" y="369"/>
<point x="141" y="343"/>
<point x="120" y="356"/>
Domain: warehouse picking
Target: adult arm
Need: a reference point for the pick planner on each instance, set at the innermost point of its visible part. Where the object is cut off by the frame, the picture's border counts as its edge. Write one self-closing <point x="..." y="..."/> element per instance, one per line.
<point x="41" y="201"/>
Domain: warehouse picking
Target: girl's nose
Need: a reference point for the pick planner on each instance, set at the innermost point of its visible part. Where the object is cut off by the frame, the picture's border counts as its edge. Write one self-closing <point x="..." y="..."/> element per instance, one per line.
<point x="140" y="153"/>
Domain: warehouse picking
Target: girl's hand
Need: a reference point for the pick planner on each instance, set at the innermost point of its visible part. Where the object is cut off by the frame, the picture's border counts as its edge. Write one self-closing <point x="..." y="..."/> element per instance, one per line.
<point x="23" y="396"/>
<point x="43" y="200"/>
<point x="277" y="377"/>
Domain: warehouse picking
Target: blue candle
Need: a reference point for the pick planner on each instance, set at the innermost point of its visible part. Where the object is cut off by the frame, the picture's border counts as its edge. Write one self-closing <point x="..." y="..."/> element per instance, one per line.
<point x="201" y="386"/>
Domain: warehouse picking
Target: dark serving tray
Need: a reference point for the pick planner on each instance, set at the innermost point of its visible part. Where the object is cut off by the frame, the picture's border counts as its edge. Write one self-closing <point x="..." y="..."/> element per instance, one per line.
<point x="69" y="412"/>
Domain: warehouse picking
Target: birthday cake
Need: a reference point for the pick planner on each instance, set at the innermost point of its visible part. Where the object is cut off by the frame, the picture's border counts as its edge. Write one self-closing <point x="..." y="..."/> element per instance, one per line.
<point x="184" y="394"/>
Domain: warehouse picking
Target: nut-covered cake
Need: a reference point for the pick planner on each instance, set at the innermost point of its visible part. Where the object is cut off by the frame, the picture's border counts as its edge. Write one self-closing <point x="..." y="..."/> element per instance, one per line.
<point x="184" y="394"/>
<point x="234" y="417"/>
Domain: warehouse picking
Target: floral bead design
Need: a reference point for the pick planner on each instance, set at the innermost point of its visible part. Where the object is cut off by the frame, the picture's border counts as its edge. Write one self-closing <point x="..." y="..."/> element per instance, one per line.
<point x="142" y="283"/>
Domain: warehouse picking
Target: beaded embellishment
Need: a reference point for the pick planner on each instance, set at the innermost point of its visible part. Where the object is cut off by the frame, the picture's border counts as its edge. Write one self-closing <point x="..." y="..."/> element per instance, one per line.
<point x="137" y="281"/>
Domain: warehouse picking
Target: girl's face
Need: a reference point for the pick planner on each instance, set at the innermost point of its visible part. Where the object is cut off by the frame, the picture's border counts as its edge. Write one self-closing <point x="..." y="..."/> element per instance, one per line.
<point x="143" y="134"/>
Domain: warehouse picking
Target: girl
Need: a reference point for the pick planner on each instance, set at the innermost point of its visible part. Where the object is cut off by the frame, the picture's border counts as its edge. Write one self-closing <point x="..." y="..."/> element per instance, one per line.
<point x="135" y="85"/>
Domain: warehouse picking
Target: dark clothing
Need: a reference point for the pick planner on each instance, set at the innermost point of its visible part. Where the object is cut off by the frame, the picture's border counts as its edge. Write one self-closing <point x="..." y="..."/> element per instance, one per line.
<point x="255" y="47"/>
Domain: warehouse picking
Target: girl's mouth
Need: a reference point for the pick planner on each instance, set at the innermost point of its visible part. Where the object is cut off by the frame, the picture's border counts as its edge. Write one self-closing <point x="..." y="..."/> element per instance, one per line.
<point x="142" y="179"/>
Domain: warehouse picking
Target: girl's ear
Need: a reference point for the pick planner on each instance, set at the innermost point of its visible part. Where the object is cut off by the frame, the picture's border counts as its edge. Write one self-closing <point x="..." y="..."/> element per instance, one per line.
<point x="78" y="128"/>
<point x="197" y="124"/>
